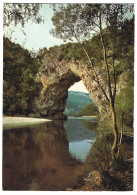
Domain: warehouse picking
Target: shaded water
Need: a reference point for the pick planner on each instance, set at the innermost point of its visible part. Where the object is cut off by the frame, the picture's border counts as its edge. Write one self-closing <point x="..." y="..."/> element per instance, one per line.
<point x="48" y="156"/>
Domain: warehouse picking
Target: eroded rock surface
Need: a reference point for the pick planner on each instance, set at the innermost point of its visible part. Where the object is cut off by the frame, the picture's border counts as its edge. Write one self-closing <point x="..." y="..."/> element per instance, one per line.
<point x="56" y="77"/>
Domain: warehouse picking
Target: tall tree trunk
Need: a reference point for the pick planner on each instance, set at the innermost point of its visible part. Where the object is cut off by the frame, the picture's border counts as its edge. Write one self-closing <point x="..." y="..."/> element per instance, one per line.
<point x="115" y="132"/>
<point x="111" y="98"/>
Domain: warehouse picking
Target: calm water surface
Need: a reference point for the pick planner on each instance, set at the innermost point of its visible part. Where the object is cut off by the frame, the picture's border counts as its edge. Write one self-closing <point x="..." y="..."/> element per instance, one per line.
<point x="48" y="156"/>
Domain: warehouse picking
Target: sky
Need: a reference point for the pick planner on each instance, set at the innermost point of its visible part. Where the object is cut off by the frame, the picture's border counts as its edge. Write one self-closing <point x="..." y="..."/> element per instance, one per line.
<point x="38" y="37"/>
<point x="78" y="86"/>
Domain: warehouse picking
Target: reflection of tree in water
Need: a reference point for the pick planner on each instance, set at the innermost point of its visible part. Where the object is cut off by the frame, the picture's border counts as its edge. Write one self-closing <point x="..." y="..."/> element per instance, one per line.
<point x="118" y="177"/>
<point x="38" y="158"/>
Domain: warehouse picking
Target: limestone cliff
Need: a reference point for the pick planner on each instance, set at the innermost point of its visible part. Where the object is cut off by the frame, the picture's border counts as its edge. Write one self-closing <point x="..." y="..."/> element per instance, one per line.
<point x="56" y="77"/>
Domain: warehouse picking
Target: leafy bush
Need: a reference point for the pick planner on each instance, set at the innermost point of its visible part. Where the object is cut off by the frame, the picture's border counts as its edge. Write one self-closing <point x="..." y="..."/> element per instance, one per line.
<point x="89" y="110"/>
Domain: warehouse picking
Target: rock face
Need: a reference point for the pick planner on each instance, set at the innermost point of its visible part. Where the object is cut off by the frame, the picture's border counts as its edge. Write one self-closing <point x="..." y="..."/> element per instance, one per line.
<point x="56" y="77"/>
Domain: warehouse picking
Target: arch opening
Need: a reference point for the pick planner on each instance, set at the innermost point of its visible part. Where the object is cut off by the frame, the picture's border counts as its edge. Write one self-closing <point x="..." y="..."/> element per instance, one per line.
<point x="78" y="98"/>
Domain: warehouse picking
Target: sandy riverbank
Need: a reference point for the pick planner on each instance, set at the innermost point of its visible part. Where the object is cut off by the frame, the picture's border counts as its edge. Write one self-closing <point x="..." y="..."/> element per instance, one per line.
<point x="10" y="120"/>
<point x="89" y="116"/>
<point x="19" y="121"/>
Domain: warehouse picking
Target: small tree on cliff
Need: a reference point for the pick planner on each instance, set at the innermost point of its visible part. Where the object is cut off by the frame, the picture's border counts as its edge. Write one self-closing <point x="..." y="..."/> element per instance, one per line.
<point x="78" y="21"/>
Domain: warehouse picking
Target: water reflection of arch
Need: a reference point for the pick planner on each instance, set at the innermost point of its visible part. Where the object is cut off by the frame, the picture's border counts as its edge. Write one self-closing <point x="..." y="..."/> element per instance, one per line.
<point x="37" y="157"/>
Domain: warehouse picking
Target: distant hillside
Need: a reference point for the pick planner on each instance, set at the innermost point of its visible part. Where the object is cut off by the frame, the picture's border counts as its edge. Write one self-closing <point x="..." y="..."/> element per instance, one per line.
<point x="76" y="101"/>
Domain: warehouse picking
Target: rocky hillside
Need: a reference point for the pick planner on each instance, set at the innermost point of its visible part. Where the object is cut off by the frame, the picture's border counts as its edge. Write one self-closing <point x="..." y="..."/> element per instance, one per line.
<point x="75" y="102"/>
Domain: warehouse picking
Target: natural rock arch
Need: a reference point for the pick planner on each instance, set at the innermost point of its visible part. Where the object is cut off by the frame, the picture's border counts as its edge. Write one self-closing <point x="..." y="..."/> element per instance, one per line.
<point x="56" y="78"/>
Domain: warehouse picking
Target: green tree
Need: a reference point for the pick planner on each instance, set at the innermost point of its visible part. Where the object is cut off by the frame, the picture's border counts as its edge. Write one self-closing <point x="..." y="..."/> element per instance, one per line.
<point x="21" y="12"/>
<point x="78" y="21"/>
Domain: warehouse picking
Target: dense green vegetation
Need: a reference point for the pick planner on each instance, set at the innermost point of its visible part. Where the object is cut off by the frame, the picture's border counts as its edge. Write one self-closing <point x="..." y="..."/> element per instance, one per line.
<point x="89" y="110"/>
<point x="125" y="40"/>
<point x="20" y="85"/>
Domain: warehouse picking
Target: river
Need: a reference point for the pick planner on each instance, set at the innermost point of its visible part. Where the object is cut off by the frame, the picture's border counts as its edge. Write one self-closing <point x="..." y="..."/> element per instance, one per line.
<point x="48" y="156"/>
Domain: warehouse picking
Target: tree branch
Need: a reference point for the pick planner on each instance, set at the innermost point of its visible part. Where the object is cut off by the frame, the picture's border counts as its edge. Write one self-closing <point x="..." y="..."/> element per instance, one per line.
<point x="106" y="64"/>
